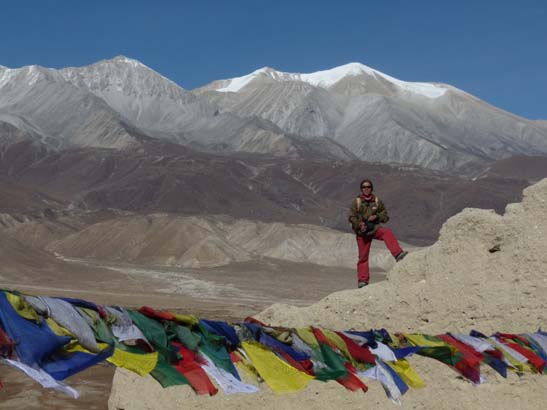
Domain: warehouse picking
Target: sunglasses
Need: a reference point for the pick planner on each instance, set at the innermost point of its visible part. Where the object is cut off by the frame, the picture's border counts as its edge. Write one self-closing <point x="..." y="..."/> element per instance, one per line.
<point x="366" y="186"/>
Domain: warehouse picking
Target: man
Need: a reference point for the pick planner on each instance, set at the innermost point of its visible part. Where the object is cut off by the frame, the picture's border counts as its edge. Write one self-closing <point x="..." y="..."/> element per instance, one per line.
<point x="366" y="214"/>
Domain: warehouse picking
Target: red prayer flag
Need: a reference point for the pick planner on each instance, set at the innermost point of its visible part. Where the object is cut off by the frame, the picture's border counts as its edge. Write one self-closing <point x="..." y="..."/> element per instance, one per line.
<point x="360" y="353"/>
<point x="191" y="369"/>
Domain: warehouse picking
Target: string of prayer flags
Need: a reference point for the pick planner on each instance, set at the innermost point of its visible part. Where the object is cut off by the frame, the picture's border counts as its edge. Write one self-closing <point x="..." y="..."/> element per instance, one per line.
<point x="50" y="339"/>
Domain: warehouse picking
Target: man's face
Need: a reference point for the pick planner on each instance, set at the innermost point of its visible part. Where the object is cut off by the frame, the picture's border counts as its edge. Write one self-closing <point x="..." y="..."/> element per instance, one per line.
<point x="366" y="188"/>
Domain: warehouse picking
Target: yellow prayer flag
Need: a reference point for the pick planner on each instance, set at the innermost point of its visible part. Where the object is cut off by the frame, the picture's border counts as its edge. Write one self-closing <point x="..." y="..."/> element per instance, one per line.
<point x="22" y="307"/>
<point x="279" y="375"/>
<point x="423" y="340"/>
<point x="58" y="329"/>
<point x="307" y="336"/>
<point x="408" y="374"/>
<point x="189" y="320"/>
<point x="140" y="363"/>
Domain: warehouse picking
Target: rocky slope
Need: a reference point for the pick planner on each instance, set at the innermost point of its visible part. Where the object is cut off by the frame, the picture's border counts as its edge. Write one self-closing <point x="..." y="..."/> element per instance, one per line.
<point x="531" y="169"/>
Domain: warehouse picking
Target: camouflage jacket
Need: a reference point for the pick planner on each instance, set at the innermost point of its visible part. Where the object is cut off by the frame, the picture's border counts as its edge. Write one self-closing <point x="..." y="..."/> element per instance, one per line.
<point x="360" y="211"/>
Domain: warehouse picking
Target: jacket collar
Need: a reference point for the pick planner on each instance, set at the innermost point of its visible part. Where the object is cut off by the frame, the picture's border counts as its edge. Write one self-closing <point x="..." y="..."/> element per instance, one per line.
<point x="371" y="198"/>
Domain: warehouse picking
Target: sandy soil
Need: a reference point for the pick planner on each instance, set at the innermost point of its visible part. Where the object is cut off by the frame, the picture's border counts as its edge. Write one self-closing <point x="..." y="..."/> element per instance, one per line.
<point x="445" y="390"/>
<point x="21" y="392"/>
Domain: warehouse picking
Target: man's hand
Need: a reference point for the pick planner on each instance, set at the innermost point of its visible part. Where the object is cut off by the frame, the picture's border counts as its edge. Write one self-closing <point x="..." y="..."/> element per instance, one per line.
<point x="363" y="226"/>
<point x="372" y="218"/>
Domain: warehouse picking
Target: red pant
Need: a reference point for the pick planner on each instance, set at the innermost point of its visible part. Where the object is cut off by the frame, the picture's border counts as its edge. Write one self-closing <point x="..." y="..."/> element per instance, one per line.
<point x="363" y="243"/>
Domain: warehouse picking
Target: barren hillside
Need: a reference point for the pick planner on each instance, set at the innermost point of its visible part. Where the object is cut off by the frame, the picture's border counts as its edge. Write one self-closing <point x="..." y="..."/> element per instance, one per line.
<point x="197" y="242"/>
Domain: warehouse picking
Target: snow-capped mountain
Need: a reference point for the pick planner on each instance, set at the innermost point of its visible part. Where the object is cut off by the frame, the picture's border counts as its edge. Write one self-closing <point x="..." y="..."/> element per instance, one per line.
<point x="380" y="118"/>
<point x="163" y="109"/>
<point x="113" y="103"/>
<point x="144" y="97"/>
<point x="329" y="79"/>
<point x="41" y="103"/>
<point x="351" y="111"/>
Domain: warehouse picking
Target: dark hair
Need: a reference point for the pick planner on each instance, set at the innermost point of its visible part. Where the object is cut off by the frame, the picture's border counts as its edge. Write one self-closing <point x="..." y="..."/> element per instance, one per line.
<point x="366" y="180"/>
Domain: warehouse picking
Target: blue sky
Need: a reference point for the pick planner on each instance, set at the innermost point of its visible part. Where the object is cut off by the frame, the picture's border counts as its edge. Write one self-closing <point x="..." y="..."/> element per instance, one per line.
<point x="496" y="50"/>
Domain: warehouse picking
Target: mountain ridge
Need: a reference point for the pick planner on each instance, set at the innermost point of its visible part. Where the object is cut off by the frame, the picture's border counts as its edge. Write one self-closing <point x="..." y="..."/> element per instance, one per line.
<point x="326" y="79"/>
<point x="374" y="116"/>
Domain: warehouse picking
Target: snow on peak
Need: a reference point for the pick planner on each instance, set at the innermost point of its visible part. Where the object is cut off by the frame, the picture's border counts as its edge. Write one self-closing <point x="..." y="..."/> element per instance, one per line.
<point x="327" y="78"/>
<point x="236" y="84"/>
<point x="121" y="74"/>
<point x="6" y="74"/>
<point x="126" y="60"/>
<point x="136" y="64"/>
<point x="424" y="89"/>
<point x="320" y="78"/>
<point x="31" y="73"/>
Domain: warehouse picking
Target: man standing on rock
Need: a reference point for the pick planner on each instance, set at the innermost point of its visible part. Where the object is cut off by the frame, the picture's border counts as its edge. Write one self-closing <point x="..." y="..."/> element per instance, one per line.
<point x="366" y="214"/>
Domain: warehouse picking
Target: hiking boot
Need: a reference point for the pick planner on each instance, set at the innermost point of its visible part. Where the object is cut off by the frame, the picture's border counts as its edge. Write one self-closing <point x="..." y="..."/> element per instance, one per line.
<point x="362" y="284"/>
<point x="401" y="256"/>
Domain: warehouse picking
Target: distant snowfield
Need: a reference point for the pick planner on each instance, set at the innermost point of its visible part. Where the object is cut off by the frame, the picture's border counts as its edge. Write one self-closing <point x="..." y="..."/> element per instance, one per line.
<point x="327" y="78"/>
